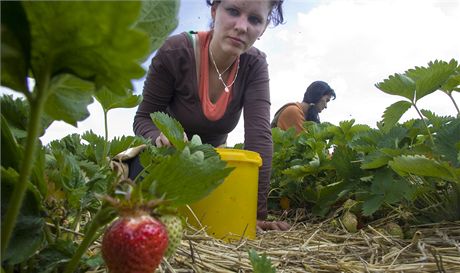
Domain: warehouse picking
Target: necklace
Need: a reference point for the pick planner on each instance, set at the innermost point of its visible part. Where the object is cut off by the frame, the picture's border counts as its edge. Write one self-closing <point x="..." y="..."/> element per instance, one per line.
<point x="227" y="87"/>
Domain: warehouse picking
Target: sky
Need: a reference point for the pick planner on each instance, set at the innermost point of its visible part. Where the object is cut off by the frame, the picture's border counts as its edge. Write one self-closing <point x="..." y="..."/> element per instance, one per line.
<point x="351" y="44"/>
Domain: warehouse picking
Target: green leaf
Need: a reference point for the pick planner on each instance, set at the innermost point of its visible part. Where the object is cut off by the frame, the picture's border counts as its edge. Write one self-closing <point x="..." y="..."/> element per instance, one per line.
<point x="393" y="114"/>
<point x="452" y="84"/>
<point x="158" y="18"/>
<point x="260" y="264"/>
<point x="431" y="78"/>
<point x="54" y="256"/>
<point x="16" y="112"/>
<point x="69" y="99"/>
<point x="110" y="100"/>
<point x="28" y="233"/>
<point x="372" y="204"/>
<point x="11" y="151"/>
<point x="386" y="188"/>
<point x="400" y="85"/>
<point x="185" y="178"/>
<point x="447" y="142"/>
<point x="171" y="128"/>
<point x="420" y="165"/>
<point x="15" y="46"/>
<point x="342" y="161"/>
<point x="375" y="160"/>
<point x="93" y="40"/>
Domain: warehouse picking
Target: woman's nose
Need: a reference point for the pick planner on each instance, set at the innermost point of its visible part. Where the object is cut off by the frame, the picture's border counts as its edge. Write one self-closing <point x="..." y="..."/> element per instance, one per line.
<point x="241" y="24"/>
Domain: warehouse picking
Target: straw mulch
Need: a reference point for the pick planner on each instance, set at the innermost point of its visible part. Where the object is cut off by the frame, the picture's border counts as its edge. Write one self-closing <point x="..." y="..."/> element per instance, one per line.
<point x="321" y="247"/>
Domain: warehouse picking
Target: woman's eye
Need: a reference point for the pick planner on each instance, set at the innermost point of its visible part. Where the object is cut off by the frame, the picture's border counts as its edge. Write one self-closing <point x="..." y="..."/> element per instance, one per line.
<point x="232" y="12"/>
<point x="254" y="20"/>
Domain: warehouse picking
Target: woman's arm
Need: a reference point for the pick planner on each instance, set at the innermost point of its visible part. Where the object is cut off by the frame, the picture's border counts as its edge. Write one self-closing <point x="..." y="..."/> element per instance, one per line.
<point x="157" y="94"/>
<point x="257" y="128"/>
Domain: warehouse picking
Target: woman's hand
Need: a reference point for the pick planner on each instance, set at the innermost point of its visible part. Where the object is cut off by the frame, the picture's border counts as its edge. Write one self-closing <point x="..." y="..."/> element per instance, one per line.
<point x="162" y="140"/>
<point x="272" y="225"/>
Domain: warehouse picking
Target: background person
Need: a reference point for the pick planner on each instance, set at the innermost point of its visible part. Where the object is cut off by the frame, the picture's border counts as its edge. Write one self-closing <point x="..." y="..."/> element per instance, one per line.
<point x="205" y="79"/>
<point x="294" y="114"/>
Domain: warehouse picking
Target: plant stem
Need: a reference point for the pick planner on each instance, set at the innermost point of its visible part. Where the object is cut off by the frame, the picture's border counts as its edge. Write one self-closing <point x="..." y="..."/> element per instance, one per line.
<point x="106" y="126"/>
<point x="424" y="122"/>
<point x="33" y="129"/>
<point x="102" y="217"/>
<point x="455" y="104"/>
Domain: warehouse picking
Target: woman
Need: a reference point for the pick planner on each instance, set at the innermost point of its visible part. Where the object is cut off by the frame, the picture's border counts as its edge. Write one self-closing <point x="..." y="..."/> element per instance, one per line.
<point x="315" y="100"/>
<point x="205" y="79"/>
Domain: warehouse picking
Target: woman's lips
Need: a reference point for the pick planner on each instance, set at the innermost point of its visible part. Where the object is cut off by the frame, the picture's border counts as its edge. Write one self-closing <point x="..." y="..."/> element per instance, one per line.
<point x="237" y="42"/>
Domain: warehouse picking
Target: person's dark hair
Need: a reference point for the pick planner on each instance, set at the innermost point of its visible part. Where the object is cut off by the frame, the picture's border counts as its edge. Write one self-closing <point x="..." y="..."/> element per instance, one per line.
<point x="275" y="17"/>
<point x="315" y="91"/>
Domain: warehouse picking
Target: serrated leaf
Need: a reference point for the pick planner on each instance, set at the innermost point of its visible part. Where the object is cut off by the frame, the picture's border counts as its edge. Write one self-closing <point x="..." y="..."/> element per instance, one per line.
<point x="447" y="142"/>
<point x="69" y="99"/>
<point x="110" y="100"/>
<point x="15" y="46"/>
<point x="182" y="179"/>
<point x="431" y="78"/>
<point x="260" y="264"/>
<point x="118" y="145"/>
<point x="170" y="127"/>
<point x="452" y="84"/>
<point x="67" y="36"/>
<point x="393" y="114"/>
<point x="398" y="84"/>
<point x="158" y="18"/>
<point x="375" y="160"/>
<point x="420" y="165"/>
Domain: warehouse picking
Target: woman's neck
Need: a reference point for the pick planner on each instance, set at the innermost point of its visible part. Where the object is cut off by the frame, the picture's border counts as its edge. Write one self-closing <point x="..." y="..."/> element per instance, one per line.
<point x="222" y="60"/>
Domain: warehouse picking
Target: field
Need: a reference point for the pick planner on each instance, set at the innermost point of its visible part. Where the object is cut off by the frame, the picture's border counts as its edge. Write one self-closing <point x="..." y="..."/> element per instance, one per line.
<point x="344" y="187"/>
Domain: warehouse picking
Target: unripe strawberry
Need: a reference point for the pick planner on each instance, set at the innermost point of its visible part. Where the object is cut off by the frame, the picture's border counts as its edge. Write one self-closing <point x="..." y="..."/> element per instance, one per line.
<point x="174" y="227"/>
<point x="134" y="244"/>
<point x="350" y="222"/>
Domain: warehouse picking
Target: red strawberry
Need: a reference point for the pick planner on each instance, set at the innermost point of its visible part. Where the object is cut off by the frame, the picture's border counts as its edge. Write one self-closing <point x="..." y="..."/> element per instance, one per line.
<point x="134" y="244"/>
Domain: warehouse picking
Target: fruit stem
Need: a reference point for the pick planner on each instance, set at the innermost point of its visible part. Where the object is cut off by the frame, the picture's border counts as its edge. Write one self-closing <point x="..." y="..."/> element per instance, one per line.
<point x="102" y="217"/>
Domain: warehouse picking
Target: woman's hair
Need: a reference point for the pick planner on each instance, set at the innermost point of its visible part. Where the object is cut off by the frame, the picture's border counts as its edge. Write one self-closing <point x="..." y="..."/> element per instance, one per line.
<point x="275" y="17"/>
<point x="314" y="93"/>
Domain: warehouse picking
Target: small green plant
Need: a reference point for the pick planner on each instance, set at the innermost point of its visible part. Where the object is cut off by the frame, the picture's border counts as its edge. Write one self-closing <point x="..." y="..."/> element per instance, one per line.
<point x="260" y="263"/>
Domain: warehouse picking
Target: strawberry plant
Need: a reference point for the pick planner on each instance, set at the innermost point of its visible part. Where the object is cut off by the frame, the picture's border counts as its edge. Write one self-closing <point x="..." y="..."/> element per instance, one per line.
<point x="414" y="165"/>
<point x="72" y="55"/>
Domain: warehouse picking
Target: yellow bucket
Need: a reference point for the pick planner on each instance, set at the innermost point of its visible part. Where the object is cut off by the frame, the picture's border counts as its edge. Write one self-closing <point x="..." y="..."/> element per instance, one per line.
<point x="230" y="211"/>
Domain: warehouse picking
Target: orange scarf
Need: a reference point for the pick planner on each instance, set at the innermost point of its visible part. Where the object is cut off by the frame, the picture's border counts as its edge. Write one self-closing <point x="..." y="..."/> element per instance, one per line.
<point x="212" y="111"/>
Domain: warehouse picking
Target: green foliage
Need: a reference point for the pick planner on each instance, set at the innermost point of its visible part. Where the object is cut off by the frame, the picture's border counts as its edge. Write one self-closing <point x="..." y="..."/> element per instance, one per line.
<point x="186" y="175"/>
<point x="260" y="264"/>
<point x="414" y="164"/>
<point x="70" y="50"/>
<point x="415" y="84"/>
<point x="29" y="235"/>
<point x="170" y="128"/>
<point x="65" y="103"/>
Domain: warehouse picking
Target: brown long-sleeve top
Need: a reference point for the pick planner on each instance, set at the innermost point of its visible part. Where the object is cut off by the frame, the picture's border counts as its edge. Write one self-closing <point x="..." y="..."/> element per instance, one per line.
<point x="171" y="86"/>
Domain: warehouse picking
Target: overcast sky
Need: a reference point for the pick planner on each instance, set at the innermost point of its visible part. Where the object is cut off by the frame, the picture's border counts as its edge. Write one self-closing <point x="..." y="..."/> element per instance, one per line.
<point x="352" y="45"/>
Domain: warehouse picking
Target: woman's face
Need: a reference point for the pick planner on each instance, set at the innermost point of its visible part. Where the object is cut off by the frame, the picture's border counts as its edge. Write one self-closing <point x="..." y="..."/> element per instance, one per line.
<point x="238" y="24"/>
<point x="322" y="103"/>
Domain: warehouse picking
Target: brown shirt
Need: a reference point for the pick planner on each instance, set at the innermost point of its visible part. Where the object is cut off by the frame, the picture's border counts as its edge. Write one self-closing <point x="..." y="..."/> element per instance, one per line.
<point x="171" y="86"/>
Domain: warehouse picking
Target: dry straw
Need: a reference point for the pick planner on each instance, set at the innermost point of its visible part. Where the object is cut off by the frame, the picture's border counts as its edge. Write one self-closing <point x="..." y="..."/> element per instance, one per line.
<point x="323" y="247"/>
